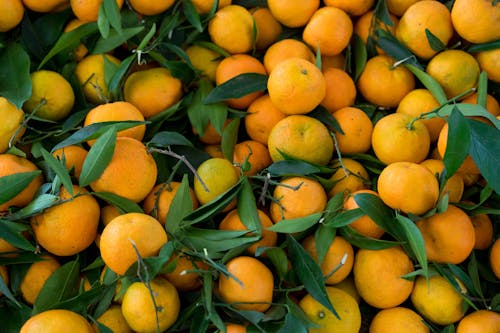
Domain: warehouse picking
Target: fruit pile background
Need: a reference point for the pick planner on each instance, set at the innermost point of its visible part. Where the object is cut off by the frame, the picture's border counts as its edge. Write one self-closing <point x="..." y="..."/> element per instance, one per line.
<point x="259" y="166"/>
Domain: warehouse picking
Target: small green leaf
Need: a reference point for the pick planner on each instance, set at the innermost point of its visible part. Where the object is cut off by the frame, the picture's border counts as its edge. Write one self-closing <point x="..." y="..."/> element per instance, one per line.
<point x="236" y="87"/>
<point x="295" y="225"/>
<point x="482" y="89"/>
<point x="363" y="242"/>
<point x="375" y="208"/>
<point x="214" y="242"/>
<point x="360" y="56"/>
<point x="4" y="289"/>
<point x="344" y="218"/>
<point x="198" y="112"/>
<point x="98" y="157"/>
<point x="469" y="110"/>
<point x="60" y="286"/>
<point x="103" y="22"/>
<point x="12" y="233"/>
<point x="192" y="15"/>
<point x="388" y="42"/>
<point x="112" y="12"/>
<point x="292" y="167"/>
<point x="37" y="205"/>
<point x="484" y="46"/>
<point x="115" y="84"/>
<point x="278" y="257"/>
<point x="229" y="138"/>
<point x="147" y="38"/>
<point x="151" y="266"/>
<point x="168" y="138"/>
<point x="182" y="205"/>
<point x="458" y="143"/>
<point x="415" y="242"/>
<point x="429" y="82"/>
<point x="115" y="39"/>
<point x="309" y="273"/>
<point x="14" y="184"/>
<point x="247" y="208"/>
<point x="434" y="42"/>
<point x="323" y="115"/>
<point x="124" y="205"/>
<point x="59" y="168"/>
<point x="15" y="82"/>
<point x="323" y="237"/>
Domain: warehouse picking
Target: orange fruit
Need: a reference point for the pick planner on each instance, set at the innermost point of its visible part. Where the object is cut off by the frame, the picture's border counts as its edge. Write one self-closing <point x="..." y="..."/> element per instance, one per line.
<point x="11" y="128"/>
<point x="81" y="50"/>
<point x="159" y="200"/>
<point x="46" y="6"/>
<point x="363" y="225"/>
<point x="483" y="231"/>
<point x="254" y="153"/>
<point x="419" y="101"/>
<point x="57" y="321"/>
<point x="76" y="221"/>
<point x="409" y="187"/>
<point x="260" y="119"/>
<point x="353" y="8"/>
<point x="204" y="6"/>
<point x="335" y="61"/>
<point x="349" y="287"/>
<point x="108" y="213"/>
<point x="492" y="105"/>
<point x="378" y="276"/>
<point x="399" y="7"/>
<point x="232" y="28"/>
<point x="398" y="319"/>
<point x="232" y="221"/>
<point x="91" y="75"/>
<point x="15" y="9"/>
<point x="117" y="111"/>
<point x="128" y="233"/>
<point x="365" y="26"/>
<point x="185" y="276"/>
<point x="340" y="90"/>
<point x="476" y="21"/>
<point x="488" y="61"/>
<point x="51" y="96"/>
<point x="144" y="315"/>
<point x="88" y="10"/>
<point x="297" y="197"/>
<point x="437" y="300"/>
<point x="455" y="70"/>
<point x="235" y="328"/>
<point x="233" y="66"/>
<point x="73" y="157"/>
<point x="217" y="175"/>
<point x="146" y="7"/>
<point x="357" y="128"/>
<point x="420" y="18"/>
<point x="36" y="276"/>
<point x="268" y="27"/>
<point x="383" y="84"/>
<point x="495" y="258"/>
<point x="285" y="49"/>
<point x="349" y="178"/>
<point x="250" y="285"/>
<point x="152" y="90"/>
<point x="296" y="86"/>
<point x="301" y="137"/>
<point x="468" y="166"/>
<point x="113" y="319"/>
<point x="454" y="186"/>
<point x="449" y="236"/>
<point x="293" y="13"/>
<point x="479" y="321"/>
<point x="344" y="304"/>
<point x="396" y="137"/>
<point x="339" y="254"/>
<point x="205" y="60"/>
<point x="12" y="164"/>
<point x="6" y="247"/>
<point x="214" y="150"/>
<point x="131" y="173"/>
<point x="333" y="20"/>
<point x="211" y="135"/>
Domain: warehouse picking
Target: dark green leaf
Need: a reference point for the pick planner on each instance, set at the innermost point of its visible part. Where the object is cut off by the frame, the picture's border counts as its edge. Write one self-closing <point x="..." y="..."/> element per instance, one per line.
<point x="375" y="208"/>
<point x="415" y="242"/>
<point x="309" y="273"/>
<point x="292" y="167"/>
<point x="229" y="138"/>
<point x="216" y="241"/>
<point x="115" y="84"/>
<point x="4" y="289"/>
<point x="115" y="39"/>
<point x="103" y="22"/>
<point x="124" y="205"/>
<point x="80" y="303"/>
<point x="112" y="13"/>
<point x="360" y="56"/>
<point x="60" y="286"/>
<point x="150" y="267"/>
<point x="344" y="218"/>
<point x="60" y="170"/>
<point x="167" y="138"/>
<point x="182" y="205"/>
<point x="98" y="157"/>
<point x="145" y="41"/>
<point x="296" y="225"/>
<point x="430" y="83"/>
<point x="469" y="110"/>
<point x="458" y="143"/>
<point x="482" y="89"/>
<point x="236" y="87"/>
<point x="279" y="259"/>
<point x="37" y="205"/>
<point x="15" y="82"/>
<point x="435" y="43"/>
<point x="12" y="233"/>
<point x="14" y="184"/>
<point x="323" y="115"/>
<point x="197" y="111"/>
<point x="247" y="208"/>
<point x="388" y="42"/>
<point x="323" y="238"/>
<point x="484" y="47"/>
<point x="485" y="151"/>
<point x="382" y="13"/>
<point x="13" y="317"/>
<point x="363" y="242"/>
<point x="192" y="15"/>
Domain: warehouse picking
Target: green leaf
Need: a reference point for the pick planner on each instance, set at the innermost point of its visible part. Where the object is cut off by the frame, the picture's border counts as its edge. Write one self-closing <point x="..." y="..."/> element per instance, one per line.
<point x="236" y="87"/>
<point x="458" y="143"/>
<point x="182" y="205"/>
<point x="484" y="46"/>
<point x="375" y="208"/>
<point x="124" y="205"/>
<point x="15" y="82"/>
<point x="309" y="273"/>
<point x="388" y="42"/>
<point x="430" y="83"/>
<point x="296" y="225"/>
<point x="323" y="115"/>
<point x="247" y="208"/>
<point x="198" y="112"/>
<point x="168" y="138"/>
<point x="415" y="242"/>
<point x="279" y="259"/>
<point x="103" y="23"/>
<point x="360" y="56"/>
<point x="13" y="316"/>
<point x="292" y="167"/>
<point x="147" y="38"/>
<point x="214" y="242"/>
<point x="112" y="13"/>
<point x="115" y="84"/>
<point x="14" y="184"/>
<point x="323" y="238"/>
<point x="469" y="110"/>
<point x="150" y="267"/>
<point x="192" y="15"/>
<point x="343" y="218"/>
<point x="4" y="289"/>
<point x="37" y="205"/>
<point x="485" y="151"/>
<point x="98" y="157"/>
<point x="363" y="242"/>
<point x="60" y="286"/>
<point x="434" y="42"/>
<point x="60" y="170"/>
<point x="482" y="89"/>
<point x="229" y="138"/>
<point x="115" y="39"/>
<point x="12" y="233"/>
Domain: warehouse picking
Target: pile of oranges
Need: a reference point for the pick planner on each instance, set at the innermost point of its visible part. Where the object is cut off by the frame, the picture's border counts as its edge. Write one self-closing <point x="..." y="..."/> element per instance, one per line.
<point x="260" y="166"/>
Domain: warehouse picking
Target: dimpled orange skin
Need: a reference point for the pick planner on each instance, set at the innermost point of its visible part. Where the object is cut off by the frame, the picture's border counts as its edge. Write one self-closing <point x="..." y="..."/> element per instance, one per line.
<point x="57" y="321"/>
